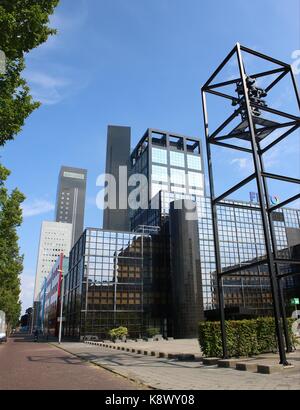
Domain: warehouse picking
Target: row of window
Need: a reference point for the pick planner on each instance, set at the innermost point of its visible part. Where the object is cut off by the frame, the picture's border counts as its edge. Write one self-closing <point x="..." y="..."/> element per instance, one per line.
<point x="177" y="159"/>
<point x="177" y="176"/>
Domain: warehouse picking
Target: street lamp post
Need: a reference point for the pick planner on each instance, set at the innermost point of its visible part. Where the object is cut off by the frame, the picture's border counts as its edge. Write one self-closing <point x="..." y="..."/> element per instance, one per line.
<point x="61" y="305"/>
<point x="43" y="307"/>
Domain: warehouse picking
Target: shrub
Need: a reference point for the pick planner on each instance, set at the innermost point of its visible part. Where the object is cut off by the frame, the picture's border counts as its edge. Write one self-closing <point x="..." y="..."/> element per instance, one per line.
<point x="244" y="337"/>
<point x="266" y="335"/>
<point x="118" y="333"/>
<point x="152" y="331"/>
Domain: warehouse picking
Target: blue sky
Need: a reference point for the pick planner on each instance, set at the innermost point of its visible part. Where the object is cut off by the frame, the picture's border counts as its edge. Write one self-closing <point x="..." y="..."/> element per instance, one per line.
<point x="139" y="63"/>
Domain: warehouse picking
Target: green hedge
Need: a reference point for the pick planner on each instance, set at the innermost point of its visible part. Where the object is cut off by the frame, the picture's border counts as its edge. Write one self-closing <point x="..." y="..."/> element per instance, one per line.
<point x="244" y="337"/>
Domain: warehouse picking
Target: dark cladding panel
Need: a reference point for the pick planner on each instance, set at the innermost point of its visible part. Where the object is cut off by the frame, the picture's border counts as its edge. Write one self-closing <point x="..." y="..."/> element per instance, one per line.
<point x="185" y="270"/>
<point x="117" y="154"/>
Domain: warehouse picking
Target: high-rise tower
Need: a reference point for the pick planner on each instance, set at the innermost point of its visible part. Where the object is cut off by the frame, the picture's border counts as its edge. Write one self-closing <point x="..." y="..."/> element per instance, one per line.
<point x="117" y="155"/>
<point x="70" y="200"/>
<point x="55" y="238"/>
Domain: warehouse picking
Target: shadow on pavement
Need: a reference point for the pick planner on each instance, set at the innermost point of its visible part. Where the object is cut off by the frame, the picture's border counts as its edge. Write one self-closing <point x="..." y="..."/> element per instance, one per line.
<point x="28" y="338"/>
<point x="55" y="360"/>
<point x="113" y="360"/>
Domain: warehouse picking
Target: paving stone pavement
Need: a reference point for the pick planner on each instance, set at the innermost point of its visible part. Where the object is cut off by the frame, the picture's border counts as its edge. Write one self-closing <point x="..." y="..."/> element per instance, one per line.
<point x="25" y="365"/>
<point x="167" y="374"/>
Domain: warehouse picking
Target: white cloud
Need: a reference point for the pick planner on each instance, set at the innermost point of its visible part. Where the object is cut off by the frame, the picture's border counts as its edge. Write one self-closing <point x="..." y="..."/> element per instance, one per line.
<point x="27" y="288"/>
<point x="242" y="163"/>
<point x="296" y="61"/>
<point x="58" y="84"/>
<point x="37" y="207"/>
<point x="46" y="81"/>
<point x="45" y="88"/>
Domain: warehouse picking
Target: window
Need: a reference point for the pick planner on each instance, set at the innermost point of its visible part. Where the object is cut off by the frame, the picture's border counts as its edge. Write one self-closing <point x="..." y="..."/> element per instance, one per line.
<point x="195" y="180"/>
<point x="73" y="175"/>
<point x="159" y="156"/>
<point x="159" y="173"/>
<point x="177" y="176"/>
<point x="177" y="159"/>
<point x="194" y="162"/>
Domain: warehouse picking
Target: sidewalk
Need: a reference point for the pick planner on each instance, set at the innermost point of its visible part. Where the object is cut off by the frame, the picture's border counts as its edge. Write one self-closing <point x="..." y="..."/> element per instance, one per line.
<point x="170" y="374"/>
<point x="189" y="349"/>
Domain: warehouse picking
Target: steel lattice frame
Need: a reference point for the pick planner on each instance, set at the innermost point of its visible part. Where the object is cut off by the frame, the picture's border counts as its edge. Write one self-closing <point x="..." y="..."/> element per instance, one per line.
<point x="254" y="136"/>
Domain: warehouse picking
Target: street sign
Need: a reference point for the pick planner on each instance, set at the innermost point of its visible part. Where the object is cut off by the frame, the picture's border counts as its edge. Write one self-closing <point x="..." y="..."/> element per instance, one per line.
<point x="63" y="319"/>
<point x="295" y="301"/>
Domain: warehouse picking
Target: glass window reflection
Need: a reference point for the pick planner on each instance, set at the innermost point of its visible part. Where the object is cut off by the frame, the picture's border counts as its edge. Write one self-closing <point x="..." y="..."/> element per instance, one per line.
<point x="159" y="156"/>
<point x="177" y="159"/>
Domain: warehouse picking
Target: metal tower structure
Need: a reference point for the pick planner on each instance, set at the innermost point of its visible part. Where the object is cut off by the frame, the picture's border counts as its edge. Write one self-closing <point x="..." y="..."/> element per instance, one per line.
<point x="253" y="131"/>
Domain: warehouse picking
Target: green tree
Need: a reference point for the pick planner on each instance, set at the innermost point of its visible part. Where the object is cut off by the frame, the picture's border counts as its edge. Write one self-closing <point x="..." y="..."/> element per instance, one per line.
<point x="10" y="259"/>
<point x="24" y="25"/>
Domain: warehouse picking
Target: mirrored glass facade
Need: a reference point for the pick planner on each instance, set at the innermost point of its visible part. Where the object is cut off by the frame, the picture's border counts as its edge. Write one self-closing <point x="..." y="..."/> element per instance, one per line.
<point x="109" y="274"/>
<point x="172" y="163"/>
<point x="241" y="241"/>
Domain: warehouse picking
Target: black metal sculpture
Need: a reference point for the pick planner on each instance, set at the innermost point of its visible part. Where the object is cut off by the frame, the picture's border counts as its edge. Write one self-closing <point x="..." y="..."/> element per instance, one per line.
<point x="250" y="105"/>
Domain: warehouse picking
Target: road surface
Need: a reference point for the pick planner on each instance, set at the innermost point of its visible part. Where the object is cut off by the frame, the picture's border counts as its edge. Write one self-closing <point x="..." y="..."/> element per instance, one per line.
<point x="25" y="365"/>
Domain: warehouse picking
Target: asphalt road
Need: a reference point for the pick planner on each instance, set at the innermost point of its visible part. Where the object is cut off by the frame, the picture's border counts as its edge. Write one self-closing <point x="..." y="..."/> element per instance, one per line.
<point x="25" y="365"/>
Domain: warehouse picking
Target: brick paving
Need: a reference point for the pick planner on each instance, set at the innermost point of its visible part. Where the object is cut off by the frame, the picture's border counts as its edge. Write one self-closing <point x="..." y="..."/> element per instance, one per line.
<point x="167" y="374"/>
<point x="25" y="365"/>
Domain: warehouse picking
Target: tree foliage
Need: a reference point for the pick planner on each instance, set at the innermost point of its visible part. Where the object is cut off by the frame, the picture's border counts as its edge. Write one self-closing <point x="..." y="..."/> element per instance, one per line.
<point x="11" y="263"/>
<point x="16" y="104"/>
<point x="23" y="26"/>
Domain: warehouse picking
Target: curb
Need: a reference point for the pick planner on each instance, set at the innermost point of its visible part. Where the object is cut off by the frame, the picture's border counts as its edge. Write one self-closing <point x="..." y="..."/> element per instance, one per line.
<point x="102" y="366"/>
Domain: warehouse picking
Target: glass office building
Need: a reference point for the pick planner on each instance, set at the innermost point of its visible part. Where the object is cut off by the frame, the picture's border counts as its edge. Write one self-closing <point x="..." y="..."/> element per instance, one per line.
<point x="50" y="297"/>
<point x="162" y="274"/>
<point x="174" y="167"/>
<point x="110" y="283"/>
<point x="171" y="163"/>
<point x="241" y="240"/>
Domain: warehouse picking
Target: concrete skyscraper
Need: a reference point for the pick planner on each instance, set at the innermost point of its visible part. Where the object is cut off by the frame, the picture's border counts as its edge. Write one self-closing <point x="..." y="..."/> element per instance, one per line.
<point x="117" y="155"/>
<point x="70" y="200"/>
<point x="55" y="239"/>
